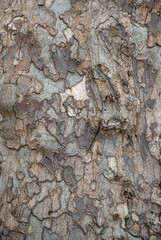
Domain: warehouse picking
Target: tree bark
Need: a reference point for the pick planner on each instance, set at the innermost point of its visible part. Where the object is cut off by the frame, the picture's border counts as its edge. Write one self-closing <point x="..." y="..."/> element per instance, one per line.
<point x="80" y="110"/>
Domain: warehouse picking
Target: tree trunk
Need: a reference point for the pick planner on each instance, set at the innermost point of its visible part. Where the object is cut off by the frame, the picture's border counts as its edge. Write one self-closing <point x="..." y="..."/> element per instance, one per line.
<point x="80" y="119"/>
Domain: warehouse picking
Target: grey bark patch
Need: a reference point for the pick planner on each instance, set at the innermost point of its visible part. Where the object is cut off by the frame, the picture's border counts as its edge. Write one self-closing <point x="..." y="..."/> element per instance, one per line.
<point x="144" y="146"/>
<point x="126" y="5"/>
<point x="33" y="188"/>
<point x="23" y="227"/>
<point x="68" y="176"/>
<point x="48" y="235"/>
<point x="61" y="139"/>
<point x="152" y="25"/>
<point x="110" y="145"/>
<point x="80" y="127"/>
<point x="70" y="102"/>
<point x="90" y="91"/>
<point x="129" y="164"/>
<point x="60" y="155"/>
<point x="149" y="75"/>
<point x="62" y="60"/>
<point x="88" y="137"/>
<point x="150" y="4"/>
<point x="56" y="102"/>
<point x="10" y="182"/>
<point x="80" y="208"/>
<point x="5" y="231"/>
<point x="152" y="127"/>
<point x="76" y="234"/>
<point x="48" y="164"/>
<point x="121" y="2"/>
<point x="61" y="57"/>
<point x="49" y="154"/>
<point x="159" y="25"/>
<point x="50" y="160"/>
<point x="150" y="103"/>
<point x="7" y="97"/>
<point x="37" y="229"/>
<point x="25" y="215"/>
<point x="135" y="71"/>
<point x="10" y="195"/>
<point x="72" y="65"/>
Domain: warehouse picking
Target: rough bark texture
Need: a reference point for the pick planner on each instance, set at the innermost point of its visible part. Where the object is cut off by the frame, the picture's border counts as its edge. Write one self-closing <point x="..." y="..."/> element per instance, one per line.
<point x="80" y="119"/>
